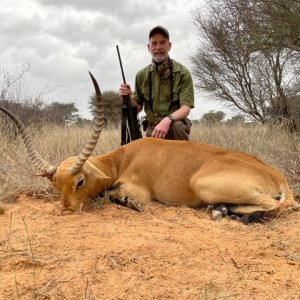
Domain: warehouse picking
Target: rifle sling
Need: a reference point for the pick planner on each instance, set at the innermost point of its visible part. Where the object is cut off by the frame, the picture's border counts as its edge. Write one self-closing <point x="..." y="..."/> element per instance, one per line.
<point x="150" y="85"/>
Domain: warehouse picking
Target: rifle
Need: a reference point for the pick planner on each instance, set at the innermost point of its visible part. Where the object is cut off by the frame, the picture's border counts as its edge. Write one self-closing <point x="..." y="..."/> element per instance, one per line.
<point x="130" y="129"/>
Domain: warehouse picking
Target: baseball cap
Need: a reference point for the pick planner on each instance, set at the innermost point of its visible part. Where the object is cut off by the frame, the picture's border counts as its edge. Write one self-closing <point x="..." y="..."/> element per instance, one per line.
<point x="159" y="29"/>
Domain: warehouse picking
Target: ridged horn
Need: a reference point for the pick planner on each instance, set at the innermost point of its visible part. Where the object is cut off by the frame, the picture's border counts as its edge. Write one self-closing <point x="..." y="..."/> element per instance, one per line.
<point x="97" y="128"/>
<point x="33" y="154"/>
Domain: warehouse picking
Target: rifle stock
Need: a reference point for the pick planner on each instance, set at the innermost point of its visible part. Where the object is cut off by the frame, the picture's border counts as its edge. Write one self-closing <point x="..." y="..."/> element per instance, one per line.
<point x="129" y="115"/>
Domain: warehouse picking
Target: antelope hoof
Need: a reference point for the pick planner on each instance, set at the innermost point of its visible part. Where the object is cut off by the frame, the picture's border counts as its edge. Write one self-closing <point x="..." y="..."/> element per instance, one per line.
<point x="124" y="201"/>
<point x="134" y="205"/>
<point x="219" y="212"/>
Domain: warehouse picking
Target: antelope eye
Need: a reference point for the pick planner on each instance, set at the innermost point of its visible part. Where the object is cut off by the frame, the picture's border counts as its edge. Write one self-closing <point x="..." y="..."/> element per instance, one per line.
<point x="80" y="183"/>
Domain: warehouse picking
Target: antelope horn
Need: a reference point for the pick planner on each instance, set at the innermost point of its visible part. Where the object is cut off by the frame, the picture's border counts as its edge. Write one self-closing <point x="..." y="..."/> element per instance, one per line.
<point x="97" y="128"/>
<point x="33" y="154"/>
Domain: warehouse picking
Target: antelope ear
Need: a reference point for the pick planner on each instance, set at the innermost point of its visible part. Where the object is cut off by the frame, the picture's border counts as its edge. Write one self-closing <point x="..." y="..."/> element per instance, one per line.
<point x="91" y="170"/>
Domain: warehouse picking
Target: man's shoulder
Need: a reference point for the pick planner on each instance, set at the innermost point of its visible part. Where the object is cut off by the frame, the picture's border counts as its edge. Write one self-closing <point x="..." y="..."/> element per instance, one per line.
<point x="179" y="67"/>
<point x="143" y="72"/>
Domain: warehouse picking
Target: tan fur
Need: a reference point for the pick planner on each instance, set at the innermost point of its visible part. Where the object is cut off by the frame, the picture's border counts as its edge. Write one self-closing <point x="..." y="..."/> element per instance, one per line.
<point x="177" y="173"/>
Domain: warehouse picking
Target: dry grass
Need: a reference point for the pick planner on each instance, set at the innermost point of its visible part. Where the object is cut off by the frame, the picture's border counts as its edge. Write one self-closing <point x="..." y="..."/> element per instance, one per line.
<point x="17" y="175"/>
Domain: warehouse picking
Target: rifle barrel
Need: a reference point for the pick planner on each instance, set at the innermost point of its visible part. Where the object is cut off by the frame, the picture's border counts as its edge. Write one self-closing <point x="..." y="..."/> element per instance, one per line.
<point x="129" y="115"/>
<point x="121" y="66"/>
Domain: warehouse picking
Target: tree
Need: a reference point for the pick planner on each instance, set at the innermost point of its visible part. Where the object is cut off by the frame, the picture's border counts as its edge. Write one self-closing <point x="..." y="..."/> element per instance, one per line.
<point x="237" y="119"/>
<point x="79" y="121"/>
<point x="213" y="117"/>
<point x="61" y="113"/>
<point x="112" y="107"/>
<point x="241" y="61"/>
<point x="30" y="110"/>
<point x="12" y="98"/>
<point x="275" y="23"/>
<point x="11" y="85"/>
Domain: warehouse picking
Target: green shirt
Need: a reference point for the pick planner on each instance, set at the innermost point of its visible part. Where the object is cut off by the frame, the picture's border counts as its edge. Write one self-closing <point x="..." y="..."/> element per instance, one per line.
<point x="163" y="102"/>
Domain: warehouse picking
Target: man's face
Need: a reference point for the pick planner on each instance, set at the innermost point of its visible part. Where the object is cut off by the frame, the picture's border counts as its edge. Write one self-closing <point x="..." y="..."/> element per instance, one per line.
<point x="159" y="47"/>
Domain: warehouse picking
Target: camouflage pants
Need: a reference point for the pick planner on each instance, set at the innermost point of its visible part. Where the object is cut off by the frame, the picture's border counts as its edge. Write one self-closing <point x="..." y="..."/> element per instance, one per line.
<point x="179" y="130"/>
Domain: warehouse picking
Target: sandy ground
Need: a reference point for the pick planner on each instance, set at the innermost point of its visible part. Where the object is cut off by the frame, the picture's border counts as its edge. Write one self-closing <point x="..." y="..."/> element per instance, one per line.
<point x="112" y="252"/>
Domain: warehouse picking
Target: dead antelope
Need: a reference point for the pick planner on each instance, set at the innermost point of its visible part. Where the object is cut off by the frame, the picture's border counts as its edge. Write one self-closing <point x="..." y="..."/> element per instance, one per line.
<point x="172" y="172"/>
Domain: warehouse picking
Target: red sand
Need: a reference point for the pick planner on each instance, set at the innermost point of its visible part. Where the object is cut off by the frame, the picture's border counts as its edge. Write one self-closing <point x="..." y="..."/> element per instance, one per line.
<point x="113" y="252"/>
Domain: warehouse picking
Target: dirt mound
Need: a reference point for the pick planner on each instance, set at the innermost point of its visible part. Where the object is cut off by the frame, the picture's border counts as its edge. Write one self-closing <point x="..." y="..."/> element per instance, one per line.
<point x="162" y="253"/>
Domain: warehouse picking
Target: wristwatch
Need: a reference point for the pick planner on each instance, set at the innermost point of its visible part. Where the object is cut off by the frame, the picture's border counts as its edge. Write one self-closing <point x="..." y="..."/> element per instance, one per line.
<point x="171" y="118"/>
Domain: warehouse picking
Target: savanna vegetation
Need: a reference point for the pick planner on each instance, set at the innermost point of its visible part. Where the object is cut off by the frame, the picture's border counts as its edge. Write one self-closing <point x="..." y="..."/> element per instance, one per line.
<point x="248" y="57"/>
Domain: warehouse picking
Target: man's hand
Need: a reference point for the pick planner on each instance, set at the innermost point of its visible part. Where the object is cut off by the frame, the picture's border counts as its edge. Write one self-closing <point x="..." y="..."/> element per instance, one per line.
<point x="124" y="90"/>
<point x="162" y="128"/>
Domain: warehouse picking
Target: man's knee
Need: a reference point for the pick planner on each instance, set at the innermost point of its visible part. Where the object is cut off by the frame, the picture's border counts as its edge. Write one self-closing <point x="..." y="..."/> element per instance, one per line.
<point x="180" y="130"/>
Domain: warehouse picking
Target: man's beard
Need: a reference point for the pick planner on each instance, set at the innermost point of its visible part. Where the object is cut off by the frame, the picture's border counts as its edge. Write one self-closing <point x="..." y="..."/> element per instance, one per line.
<point x="159" y="59"/>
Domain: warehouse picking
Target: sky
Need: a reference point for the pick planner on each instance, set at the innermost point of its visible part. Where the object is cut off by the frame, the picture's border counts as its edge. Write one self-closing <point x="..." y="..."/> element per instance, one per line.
<point x="61" y="40"/>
